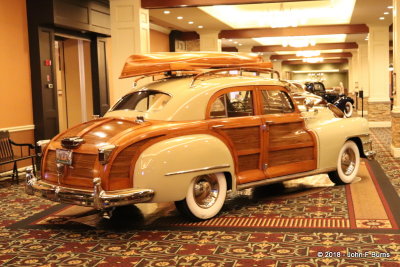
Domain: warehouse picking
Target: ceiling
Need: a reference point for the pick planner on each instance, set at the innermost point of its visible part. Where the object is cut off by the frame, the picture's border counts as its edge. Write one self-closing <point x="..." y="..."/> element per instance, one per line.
<point x="265" y="26"/>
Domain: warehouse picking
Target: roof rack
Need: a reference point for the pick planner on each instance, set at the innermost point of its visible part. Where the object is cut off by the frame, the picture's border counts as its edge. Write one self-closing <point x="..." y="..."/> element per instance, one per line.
<point x="240" y="69"/>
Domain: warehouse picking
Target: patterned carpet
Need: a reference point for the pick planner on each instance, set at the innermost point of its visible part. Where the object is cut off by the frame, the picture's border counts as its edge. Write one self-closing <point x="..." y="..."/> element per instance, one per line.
<point x="106" y="247"/>
<point x="381" y="138"/>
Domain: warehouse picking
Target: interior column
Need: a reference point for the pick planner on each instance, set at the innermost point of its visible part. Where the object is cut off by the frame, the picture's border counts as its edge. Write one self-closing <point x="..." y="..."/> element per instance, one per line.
<point x="395" y="146"/>
<point x="209" y="40"/>
<point x="354" y="74"/>
<point x="363" y="76"/>
<point x="378" y="56"/>
<point x="129" y="35"/>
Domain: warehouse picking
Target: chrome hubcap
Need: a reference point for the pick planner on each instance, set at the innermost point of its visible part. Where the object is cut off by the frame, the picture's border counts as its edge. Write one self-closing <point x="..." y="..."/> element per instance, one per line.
<point x="206" y="190"/>
<point x="348" y="161"/>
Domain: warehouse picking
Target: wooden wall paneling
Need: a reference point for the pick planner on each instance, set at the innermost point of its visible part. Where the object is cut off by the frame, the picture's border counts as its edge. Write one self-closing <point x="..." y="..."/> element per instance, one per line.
<point x="89" y="15"/>
<point x="151" y="4"/>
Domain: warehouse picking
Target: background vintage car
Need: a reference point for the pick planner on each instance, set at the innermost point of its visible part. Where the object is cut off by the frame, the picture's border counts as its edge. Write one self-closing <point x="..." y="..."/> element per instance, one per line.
<point x="340" y="100"/>
<point x="191" y="139"/>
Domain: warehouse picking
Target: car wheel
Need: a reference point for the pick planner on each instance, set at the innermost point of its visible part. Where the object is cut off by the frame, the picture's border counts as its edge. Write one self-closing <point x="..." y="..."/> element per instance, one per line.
<point x="348" y="109"/>
<point x="205" y="197"/>
<point x="348" y="164"/>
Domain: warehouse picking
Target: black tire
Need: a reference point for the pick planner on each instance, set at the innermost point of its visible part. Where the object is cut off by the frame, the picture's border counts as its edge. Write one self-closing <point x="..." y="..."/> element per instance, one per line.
<point x="205" y="197"/>
<point x="348" y="164"/>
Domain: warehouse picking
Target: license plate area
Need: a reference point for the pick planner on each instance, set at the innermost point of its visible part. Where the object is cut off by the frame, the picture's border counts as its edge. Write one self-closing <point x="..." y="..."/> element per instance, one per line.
<point x="64" y="156"/>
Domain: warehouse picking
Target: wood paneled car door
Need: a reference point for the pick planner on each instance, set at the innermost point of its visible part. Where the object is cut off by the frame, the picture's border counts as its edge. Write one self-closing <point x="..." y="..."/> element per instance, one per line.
<point x="289" y="147"/>
<point x="232" y="117"/>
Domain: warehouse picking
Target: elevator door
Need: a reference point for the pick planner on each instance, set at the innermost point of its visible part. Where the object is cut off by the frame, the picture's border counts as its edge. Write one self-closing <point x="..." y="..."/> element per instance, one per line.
<point x="74" y="82"/>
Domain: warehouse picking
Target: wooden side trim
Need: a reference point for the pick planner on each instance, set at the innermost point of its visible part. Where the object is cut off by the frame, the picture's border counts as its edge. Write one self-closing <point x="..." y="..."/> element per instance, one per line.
<point x="292" y="146"/>
<point x="248" y="152"/>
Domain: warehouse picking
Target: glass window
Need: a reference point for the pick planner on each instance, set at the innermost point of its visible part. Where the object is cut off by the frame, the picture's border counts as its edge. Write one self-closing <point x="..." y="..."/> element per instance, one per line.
<point x="148" y="100"/>
<point x="275" y="101"/>
<point x="233" y="104"/>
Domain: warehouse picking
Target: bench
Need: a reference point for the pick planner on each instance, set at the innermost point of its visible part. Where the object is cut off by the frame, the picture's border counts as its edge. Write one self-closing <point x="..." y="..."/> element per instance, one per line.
<point x="7" y="155"/>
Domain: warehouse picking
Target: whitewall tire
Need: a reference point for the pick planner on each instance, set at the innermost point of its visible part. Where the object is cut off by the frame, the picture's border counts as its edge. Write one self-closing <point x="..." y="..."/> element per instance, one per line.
<point x="348" y="164"/>
<point x="348" y="110"/>
<point x="205" y="197"/>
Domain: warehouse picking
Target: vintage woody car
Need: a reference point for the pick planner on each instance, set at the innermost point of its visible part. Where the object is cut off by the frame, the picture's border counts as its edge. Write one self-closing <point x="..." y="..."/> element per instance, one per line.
<point x="195" y="134"/>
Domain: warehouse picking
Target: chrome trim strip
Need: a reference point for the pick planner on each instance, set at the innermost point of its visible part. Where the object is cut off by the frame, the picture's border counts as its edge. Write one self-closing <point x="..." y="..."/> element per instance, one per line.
<point x="198" y="170"/>
<point x="283" y="178"/>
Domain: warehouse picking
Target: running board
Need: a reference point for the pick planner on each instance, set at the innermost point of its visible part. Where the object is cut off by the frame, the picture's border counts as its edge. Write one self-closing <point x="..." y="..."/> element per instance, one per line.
<point x="283" y="178"/>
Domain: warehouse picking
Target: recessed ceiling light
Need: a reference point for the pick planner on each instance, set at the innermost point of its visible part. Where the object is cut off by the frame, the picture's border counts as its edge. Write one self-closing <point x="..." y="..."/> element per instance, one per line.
<point x="167" y="11"/>
<point x="381" y="18"/>
<point x="190" y="22"/>
<point x="386" y="13"/>
<point x="235" y="42"/>
<point x="179" y="17"/>
<point x="200" y="27"/>
<point x="240" y="44"/>
<point x="230" y="40"/>
<point x="390" y="7"/>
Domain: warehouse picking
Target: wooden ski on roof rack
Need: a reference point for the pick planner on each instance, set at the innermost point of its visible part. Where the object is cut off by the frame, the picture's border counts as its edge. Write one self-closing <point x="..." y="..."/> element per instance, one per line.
<point x="154" y="63"/>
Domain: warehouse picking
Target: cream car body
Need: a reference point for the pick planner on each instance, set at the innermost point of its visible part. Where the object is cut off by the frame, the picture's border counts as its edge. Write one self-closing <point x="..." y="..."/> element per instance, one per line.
<point x="186" y="154"/>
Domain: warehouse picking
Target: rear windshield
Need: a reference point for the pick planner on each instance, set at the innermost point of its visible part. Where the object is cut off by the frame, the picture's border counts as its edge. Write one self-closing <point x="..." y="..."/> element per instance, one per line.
<point x="143" y="101"/>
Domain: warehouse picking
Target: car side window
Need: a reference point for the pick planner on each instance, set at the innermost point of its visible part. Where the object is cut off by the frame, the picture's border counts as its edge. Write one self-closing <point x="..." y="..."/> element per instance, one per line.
<point x="275" y="101"/>
<point x="233" y="104"/>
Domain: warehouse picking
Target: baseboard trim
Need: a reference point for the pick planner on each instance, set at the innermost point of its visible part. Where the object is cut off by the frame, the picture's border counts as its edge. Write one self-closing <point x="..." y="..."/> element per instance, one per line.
<point x="18" y="128"/>
<point x="379" y="124"/>
<point x="8" y="173"/>
<point x="395" y="151"/>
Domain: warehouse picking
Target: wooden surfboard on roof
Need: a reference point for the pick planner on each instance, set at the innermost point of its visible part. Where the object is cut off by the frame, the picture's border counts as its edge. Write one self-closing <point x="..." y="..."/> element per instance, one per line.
<point x="153" y="63"/>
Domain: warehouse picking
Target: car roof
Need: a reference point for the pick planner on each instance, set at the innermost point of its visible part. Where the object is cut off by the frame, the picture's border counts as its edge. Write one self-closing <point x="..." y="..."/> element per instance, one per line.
<point x="189" y="102"/>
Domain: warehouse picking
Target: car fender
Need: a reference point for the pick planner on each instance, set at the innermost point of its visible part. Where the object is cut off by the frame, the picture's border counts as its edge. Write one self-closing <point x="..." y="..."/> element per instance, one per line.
<point x="332" y="134"/>
<point x="168" y="166"/>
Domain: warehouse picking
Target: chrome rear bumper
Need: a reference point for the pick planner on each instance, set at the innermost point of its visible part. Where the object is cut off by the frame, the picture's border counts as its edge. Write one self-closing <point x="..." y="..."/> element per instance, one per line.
<point x="367" y="147"/>
<point x="98" y="198"/>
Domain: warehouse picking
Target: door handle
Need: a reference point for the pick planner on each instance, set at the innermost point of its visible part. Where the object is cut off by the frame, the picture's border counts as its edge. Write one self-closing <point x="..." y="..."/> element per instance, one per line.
<point x="218" y="126"/>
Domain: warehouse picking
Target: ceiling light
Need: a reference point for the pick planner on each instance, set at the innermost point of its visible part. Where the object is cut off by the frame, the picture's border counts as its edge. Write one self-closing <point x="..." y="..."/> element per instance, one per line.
<point x="240" y="44"/>
<point x="235" y="42"/>
<point x="386" y="13"/>
<point x="285" y="18"/>
<point x="313" y="60"/>
<point x="200" y="27"/>
<point x="294" y="42"/>
<point x="390" y="7"/>
<point x="190" y="22"/>
<point x="179" y="17"/>
<point x="230" y="40"/>
<point x="308" y="53"/>
<point x="167" y="11"/>
<point x="381" y="18"/>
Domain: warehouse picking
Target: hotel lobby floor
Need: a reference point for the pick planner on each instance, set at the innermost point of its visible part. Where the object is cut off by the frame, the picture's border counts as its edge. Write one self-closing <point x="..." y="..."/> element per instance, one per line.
<point x="299" y="224"/>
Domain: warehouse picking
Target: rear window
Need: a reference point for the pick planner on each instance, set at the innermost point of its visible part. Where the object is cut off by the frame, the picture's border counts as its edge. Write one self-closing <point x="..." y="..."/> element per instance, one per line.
<point x="143" y="101"/>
